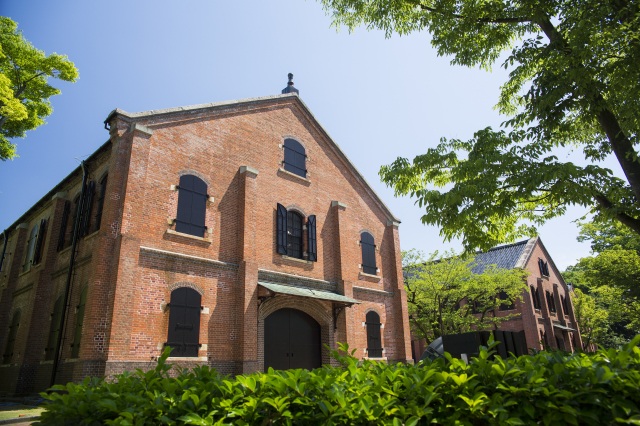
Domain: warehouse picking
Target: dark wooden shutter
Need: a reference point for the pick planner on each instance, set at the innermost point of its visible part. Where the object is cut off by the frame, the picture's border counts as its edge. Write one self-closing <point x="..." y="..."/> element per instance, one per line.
<point x="100" y="206"/>
<point x="534" y="297"/>
<point x="312" y="248"/>
<point x="63" y="225"/>
<point x="192" y="206"/>
<point x="13" y="332"/>
<point x="281" y="229"/>
<point x="42" y="231"/>
<point x="368" y="254"/>
<point x="551" y="302"/>
<point x="374" y="343"/>
<point x="184" y="322"/>
<point x="295" y="158"/>
<point x="54" y="329"/>
<point x="77" y="334"/>
<point x="85" y="219"/>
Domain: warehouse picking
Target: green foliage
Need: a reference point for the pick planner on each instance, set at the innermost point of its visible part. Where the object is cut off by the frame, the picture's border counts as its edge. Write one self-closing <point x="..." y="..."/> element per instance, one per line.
<point x="607" y="297"/>
<point x="24" y="87"/>
<point x="445" y="297"/>
<point x="608" y="235"/>
<point x="546" y="388"/>
<point x="573" y="84"/>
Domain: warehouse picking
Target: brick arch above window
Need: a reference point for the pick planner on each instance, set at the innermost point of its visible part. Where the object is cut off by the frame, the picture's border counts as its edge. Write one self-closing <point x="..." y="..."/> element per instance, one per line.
<point x="196" y="173"/>
<point x="188" y="284"/>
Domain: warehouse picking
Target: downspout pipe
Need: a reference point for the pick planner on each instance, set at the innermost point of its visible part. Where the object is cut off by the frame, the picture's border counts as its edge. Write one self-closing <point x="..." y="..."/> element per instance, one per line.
<point x="72" y="259"/>
<point x="5" y="236"/>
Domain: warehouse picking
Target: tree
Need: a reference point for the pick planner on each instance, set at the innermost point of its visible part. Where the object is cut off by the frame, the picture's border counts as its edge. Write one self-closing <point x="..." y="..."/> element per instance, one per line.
<point x="607" y="282"/>
<point x="24" y="87"/>
<point x="600" y="316"/>
<point x="608" y="235"/>
<point x="574" y="83"/>
<point x="445" y="296"/>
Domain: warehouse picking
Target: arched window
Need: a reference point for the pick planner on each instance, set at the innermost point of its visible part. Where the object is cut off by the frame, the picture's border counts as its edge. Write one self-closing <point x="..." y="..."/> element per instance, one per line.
<point x="290" y="234"/>
<point x="295" y="158"/>
<point x="11" y="340"/>
<point x="368" y="254"/>
<point x="184" y="322"/>
<point x="102" y="191"/>
<point x="294" y="235"/>
<point x="54" y="329"/>
<point x="374" y="343"/>
<point x="77" y="333"/>
<point x="192" y="206"/>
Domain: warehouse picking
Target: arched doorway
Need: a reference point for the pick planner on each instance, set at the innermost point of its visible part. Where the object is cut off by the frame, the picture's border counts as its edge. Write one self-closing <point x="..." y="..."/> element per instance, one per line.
<point x="291" y="340"/>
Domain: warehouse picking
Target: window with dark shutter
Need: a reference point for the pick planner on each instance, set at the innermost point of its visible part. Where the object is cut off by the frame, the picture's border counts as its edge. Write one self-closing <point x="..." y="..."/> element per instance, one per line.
<point x="565" y="305"/>
<point x="294" y="235"/>
<point x="75" y="211"/>
<point x="550" y="302"/>
<point x="281" y="229"/>
<point x="544" y="267"/>
<point x="374" y="343"/>
<point x="31" y="246"/>
<point x="42" y="232"/>
<point x="100" y="202"/>
<point x="77" y="332"/>
<point x="368" y="254"/>
<point x="312" y="244"/>
<point x="192" y="206"/>
<point x="13" y="332"/>
<point x="535" y="296"/>
<point x="295" y="158"/>
<point x="87" y="206"/>
<point x="184" y="322"/>
<point x="54" y="329"/>
<point x="63" y="225"/>
<point x="290" y="234"/>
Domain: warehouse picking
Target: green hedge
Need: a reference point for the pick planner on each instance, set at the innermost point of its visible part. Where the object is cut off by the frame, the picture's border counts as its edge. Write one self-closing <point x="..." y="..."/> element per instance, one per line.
<point x="546" y="388"/>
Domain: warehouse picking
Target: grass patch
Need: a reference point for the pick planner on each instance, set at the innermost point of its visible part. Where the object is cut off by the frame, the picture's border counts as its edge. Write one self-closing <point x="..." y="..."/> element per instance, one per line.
<point x="10" y="412"/>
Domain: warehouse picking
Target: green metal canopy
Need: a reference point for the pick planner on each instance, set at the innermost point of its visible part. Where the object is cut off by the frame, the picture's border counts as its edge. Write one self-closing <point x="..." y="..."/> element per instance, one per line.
<point x="307" y="292"/>
<point x="563" y="327"/>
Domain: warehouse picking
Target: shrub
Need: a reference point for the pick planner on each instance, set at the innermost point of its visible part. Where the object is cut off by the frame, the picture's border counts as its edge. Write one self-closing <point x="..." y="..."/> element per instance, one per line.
<point x="545" y="388"/>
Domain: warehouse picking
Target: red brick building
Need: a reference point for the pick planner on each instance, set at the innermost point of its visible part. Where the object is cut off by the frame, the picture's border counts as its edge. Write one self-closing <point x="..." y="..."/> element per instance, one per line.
<point x="545" y="313"/>
<point x="237" y="233"/>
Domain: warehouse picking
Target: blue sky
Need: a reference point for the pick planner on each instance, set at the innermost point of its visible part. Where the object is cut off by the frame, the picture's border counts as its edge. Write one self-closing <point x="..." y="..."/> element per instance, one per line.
<point x="378" y="98"/>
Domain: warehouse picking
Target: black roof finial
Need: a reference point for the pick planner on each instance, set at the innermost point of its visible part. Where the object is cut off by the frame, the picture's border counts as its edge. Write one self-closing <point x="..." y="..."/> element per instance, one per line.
<point x="290" y="88"/>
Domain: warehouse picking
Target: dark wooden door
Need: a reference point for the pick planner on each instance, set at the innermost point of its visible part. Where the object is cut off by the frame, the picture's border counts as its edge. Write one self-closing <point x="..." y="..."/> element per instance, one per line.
<point x="291" y="340"/>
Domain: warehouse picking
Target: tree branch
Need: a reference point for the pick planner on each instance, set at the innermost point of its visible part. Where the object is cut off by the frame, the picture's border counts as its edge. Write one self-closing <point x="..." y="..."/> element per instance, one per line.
<point x="623" y="218"/>
<point x="512" y="20"/>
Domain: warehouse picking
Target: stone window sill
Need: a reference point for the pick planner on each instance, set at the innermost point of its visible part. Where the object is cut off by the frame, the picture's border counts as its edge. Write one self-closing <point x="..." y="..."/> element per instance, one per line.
<point x="295" y="259"/>
<point x="369" y="277"/>
<point x="303" y="180"/>
<point x="189" y="236"/>
<point x="187" y="358"/>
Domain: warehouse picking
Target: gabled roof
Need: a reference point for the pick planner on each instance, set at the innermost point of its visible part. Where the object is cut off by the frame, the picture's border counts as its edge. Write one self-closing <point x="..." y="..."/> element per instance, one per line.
<point x="508" y="256"/>
<point x="255" y="102"/>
